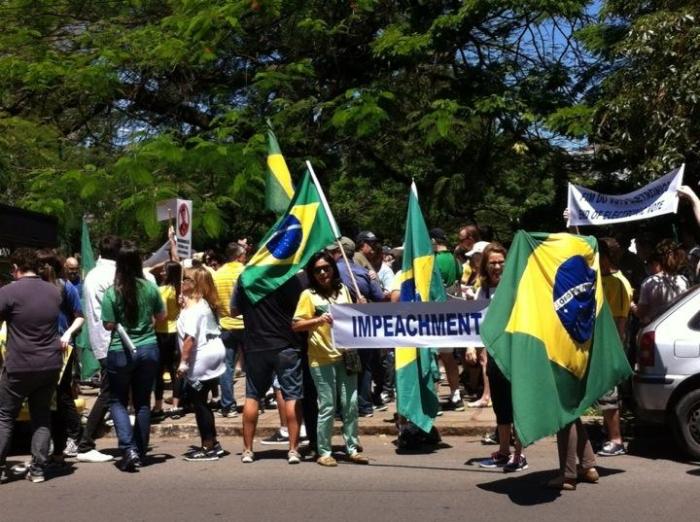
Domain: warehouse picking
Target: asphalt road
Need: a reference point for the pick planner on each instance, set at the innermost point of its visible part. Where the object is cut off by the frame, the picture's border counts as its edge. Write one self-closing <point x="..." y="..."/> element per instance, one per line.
<point x="443" y="485"/>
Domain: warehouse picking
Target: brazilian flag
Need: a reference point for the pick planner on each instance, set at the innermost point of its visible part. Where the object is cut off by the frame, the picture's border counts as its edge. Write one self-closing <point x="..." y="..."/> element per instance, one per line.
<point x="416" y="397"/>
<point x="278" y="182"/>
<point x="301" y="232"/>
<point x="551" y="332"/>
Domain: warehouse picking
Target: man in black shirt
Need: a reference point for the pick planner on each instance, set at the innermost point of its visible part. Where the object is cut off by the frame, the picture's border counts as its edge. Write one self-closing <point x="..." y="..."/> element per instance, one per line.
<point x="271" y="348"/>
<point x="30" y="306"/>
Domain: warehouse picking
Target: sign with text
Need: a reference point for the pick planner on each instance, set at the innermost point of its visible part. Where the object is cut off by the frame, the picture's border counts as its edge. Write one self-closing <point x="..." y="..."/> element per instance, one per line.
<point x="451" y="324"/>
<point x="587" y="207"/>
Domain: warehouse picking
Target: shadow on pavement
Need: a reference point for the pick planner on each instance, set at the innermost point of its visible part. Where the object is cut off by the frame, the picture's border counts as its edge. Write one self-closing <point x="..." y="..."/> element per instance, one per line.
<point x="695" y="472"/>
<point x="530" y="489"/>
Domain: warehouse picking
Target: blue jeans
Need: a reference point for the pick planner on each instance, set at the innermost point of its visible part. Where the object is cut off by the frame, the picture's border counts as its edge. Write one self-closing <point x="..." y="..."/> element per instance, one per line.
<point x="135" y="373"/>
<point x="232" y="340"/>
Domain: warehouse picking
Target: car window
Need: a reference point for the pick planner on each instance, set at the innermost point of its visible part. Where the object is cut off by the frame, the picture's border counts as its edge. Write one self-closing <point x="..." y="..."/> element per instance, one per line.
<point x="694" y="323"/>
<point x="678" y="299"/>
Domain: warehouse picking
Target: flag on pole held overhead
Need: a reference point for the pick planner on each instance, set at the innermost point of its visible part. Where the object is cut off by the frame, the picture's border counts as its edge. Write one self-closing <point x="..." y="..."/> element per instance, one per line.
<point x="551" y="332"/>
<point x="278" y="182"/>
<point x="88" y="364"/>
<point x="303" y="230"/>
<point x="416" y="397"/>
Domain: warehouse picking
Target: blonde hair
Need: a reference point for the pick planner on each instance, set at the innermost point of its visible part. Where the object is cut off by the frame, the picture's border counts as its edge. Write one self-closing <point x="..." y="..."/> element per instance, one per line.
<point x="203" y="287"/>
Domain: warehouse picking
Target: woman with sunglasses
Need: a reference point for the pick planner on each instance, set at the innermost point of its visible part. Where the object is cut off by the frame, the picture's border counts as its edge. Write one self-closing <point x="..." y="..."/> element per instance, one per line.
<point x="129" y="308"/>
<point x="203" y="355"/>
<point x="327" y="363"/>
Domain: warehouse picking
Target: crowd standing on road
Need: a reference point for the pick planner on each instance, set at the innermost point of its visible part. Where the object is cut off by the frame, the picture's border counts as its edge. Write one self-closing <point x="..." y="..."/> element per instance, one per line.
<point x="199" y="327"/>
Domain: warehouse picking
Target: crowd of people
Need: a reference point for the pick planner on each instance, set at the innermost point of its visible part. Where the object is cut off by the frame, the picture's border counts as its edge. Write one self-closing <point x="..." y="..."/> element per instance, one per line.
<point x="193" y="321"/>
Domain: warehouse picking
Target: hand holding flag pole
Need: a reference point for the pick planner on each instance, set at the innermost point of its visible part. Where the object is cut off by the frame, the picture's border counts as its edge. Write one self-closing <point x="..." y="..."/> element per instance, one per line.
<point x="334" y="226"/>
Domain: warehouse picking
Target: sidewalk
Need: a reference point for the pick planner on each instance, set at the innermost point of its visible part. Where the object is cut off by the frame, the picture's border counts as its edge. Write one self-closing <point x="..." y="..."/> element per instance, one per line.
<point x="470" y="422"/>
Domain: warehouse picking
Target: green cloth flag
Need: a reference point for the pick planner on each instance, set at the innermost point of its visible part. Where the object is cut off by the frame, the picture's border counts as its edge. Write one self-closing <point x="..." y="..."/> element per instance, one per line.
<point x="416" y="397"/>
<point x="278" y="182"/>
<point x="88" y="364"/>
<point x="303" y="230"/>
<point x="551" y="332"/>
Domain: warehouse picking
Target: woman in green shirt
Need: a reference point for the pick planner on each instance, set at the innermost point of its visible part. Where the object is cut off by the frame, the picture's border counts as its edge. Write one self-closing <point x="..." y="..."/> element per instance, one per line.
<point x="128" y="311"/>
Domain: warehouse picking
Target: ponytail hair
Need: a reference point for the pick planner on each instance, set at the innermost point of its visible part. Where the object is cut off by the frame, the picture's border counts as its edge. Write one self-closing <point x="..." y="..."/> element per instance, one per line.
<point x="50" y="265"/>
<point x="204" y="288"/>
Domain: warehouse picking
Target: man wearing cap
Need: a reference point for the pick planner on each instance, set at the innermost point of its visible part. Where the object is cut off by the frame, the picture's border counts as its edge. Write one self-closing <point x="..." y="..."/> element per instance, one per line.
<point x="450" y="271"/>
<point x="369" y="291"/>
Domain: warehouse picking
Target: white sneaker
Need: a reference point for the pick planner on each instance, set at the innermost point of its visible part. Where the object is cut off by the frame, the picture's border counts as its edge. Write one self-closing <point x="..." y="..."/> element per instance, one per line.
<point x="94" y="456"/>
<point x="71" y="449"/>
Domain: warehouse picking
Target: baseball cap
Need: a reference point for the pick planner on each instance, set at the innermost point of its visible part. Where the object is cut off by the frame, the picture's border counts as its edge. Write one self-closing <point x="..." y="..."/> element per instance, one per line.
<point x="347" y="244"/>
<point x="366" y="237"/>
<point x="478" y="248"/>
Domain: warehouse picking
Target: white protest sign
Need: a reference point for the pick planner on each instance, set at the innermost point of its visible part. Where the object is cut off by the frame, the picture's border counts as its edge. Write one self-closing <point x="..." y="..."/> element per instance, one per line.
<point x="588" y="207"/>
<point x="181" y="209"/>
<point x="451" y="324"/>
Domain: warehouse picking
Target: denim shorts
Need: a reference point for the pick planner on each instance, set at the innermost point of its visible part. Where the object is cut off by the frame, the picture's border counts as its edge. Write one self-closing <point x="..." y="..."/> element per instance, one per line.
<point x="261" y="368"/>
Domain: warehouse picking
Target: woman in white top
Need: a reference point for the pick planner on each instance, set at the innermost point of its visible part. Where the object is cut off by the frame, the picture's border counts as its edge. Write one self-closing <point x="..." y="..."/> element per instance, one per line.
<point x="203" y="355"/>
<point x="664" y="286"/>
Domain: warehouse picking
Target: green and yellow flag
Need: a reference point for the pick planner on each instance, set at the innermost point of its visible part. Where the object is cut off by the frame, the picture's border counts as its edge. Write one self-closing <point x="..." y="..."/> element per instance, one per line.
<point x="304" y="230"/>
<point x="416" y="398"/>
<point x="278" y="182"/>
<point x="88" y="364"/>
<point x="551" y="332"/>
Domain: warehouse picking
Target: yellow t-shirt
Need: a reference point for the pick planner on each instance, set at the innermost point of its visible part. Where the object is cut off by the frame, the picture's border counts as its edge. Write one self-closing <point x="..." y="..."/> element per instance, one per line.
<point x="310" y="305"/>
<point x="169" y="296"/>
<point x="618" y="294"/>
<point x="225" y="279"/>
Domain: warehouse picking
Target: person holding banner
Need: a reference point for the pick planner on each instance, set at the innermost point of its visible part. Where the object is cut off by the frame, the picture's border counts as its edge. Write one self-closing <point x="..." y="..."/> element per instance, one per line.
<point x="334" y="372"/>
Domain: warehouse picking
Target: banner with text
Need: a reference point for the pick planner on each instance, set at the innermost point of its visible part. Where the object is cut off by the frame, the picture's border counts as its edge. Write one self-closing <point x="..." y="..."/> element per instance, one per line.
<point x="587" y="207"/>
<point x="451" y="324"/>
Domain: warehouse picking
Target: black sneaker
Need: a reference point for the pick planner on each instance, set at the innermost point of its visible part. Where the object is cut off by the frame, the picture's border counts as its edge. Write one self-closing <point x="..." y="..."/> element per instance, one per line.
<point x="612" y="449"/>
<point x="35" y="474"/>
<point x="202" y="455"/>
<point x="225" y="412"/>
<point x="157" y="416"/>
<point x="130" y="461"/>
<point x="221" y="452"/>
<point x="276" y="438"/>
<point x="456" y="404"/>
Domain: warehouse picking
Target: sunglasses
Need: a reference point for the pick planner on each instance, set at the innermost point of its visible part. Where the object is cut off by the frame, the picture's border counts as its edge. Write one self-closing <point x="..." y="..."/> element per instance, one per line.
<point x="322" y="269"/>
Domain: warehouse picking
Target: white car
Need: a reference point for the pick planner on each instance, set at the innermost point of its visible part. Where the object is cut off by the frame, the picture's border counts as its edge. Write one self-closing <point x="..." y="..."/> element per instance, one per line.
<point x="666" y="382"/>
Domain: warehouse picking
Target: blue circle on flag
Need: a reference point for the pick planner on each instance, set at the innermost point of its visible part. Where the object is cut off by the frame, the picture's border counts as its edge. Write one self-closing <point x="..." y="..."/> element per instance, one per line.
<point x="574" y="297"/>
<point x="286" y="239"/>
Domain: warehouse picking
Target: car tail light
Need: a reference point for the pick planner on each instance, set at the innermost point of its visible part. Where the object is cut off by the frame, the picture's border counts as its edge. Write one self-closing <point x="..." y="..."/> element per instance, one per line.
<point x="647" y="347"/>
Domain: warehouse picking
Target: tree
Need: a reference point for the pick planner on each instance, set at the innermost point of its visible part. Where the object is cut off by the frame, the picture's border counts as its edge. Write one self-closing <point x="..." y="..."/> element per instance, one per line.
<point x="146" y="99"/>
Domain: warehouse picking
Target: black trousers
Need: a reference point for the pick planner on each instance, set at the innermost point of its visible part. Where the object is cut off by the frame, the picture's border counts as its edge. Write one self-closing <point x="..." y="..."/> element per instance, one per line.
<point x="169" y="360"/>
<point x="202" y="412"/>
<point x="97" y="413"/>
<point x="65" y="421"/>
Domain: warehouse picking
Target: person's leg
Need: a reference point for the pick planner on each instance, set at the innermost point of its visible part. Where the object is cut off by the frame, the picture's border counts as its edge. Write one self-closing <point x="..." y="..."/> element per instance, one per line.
<point x="290" y="376"/>
<point x="364" y="385"/>
<point x="310" y="402"/>
<point x="97" y="413"/>
<point x="378" y="355"/>
<point x="226" y="380"/>
<point x="145" y="368"/>
<point x="163" y="364"/>
<point x="119" y="370"/>
<point x="175" y="381"/>
<point x="389" y="373"/>
<point x="612" y="423"/>
<point x="451" y="371"/>
<point x="567" y="443"/>
<point x="281" y="409"/>
<point x="10" y="404"/>
<point x="258" y="377"/>
<point x="584" y="451"/>
<point x="325" y="389"/>
<point x="65" y="421"/>
<point x="346" y="388"/>
<point x="250" y="421"/>
<point x="39" y="399"/>
<point x="203" y="415"/>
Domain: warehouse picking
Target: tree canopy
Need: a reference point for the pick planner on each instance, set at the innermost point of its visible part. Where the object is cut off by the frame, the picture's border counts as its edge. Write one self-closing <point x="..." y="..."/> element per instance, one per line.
<point x="109" y="106"/>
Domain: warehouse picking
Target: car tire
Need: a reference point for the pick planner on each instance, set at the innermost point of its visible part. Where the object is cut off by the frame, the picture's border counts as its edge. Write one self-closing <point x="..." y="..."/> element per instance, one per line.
<point x="686" y="423"/>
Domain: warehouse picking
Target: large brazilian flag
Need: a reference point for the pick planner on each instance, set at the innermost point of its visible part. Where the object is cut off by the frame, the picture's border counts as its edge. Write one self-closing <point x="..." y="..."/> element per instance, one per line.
<point x="88" y="364"/>
<point x="416" y="397"/>
<point x="278" y="182"/>
<point x="551" y="332"/>
<point x="301" y="232"/>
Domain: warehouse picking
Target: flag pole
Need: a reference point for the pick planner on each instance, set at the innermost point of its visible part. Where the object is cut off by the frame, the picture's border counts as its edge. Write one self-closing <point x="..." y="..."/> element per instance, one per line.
<point x="334" y="226"/>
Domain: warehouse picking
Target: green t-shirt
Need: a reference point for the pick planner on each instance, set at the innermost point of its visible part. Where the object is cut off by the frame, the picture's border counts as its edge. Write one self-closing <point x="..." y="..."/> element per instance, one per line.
<point x="449" y="267"/>
<point x="142" y="332"/>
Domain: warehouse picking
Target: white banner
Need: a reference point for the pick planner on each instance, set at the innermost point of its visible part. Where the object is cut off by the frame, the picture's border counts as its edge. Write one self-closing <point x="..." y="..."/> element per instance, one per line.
<point x="452" y="324"/>
<point x="587" y="207"/>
